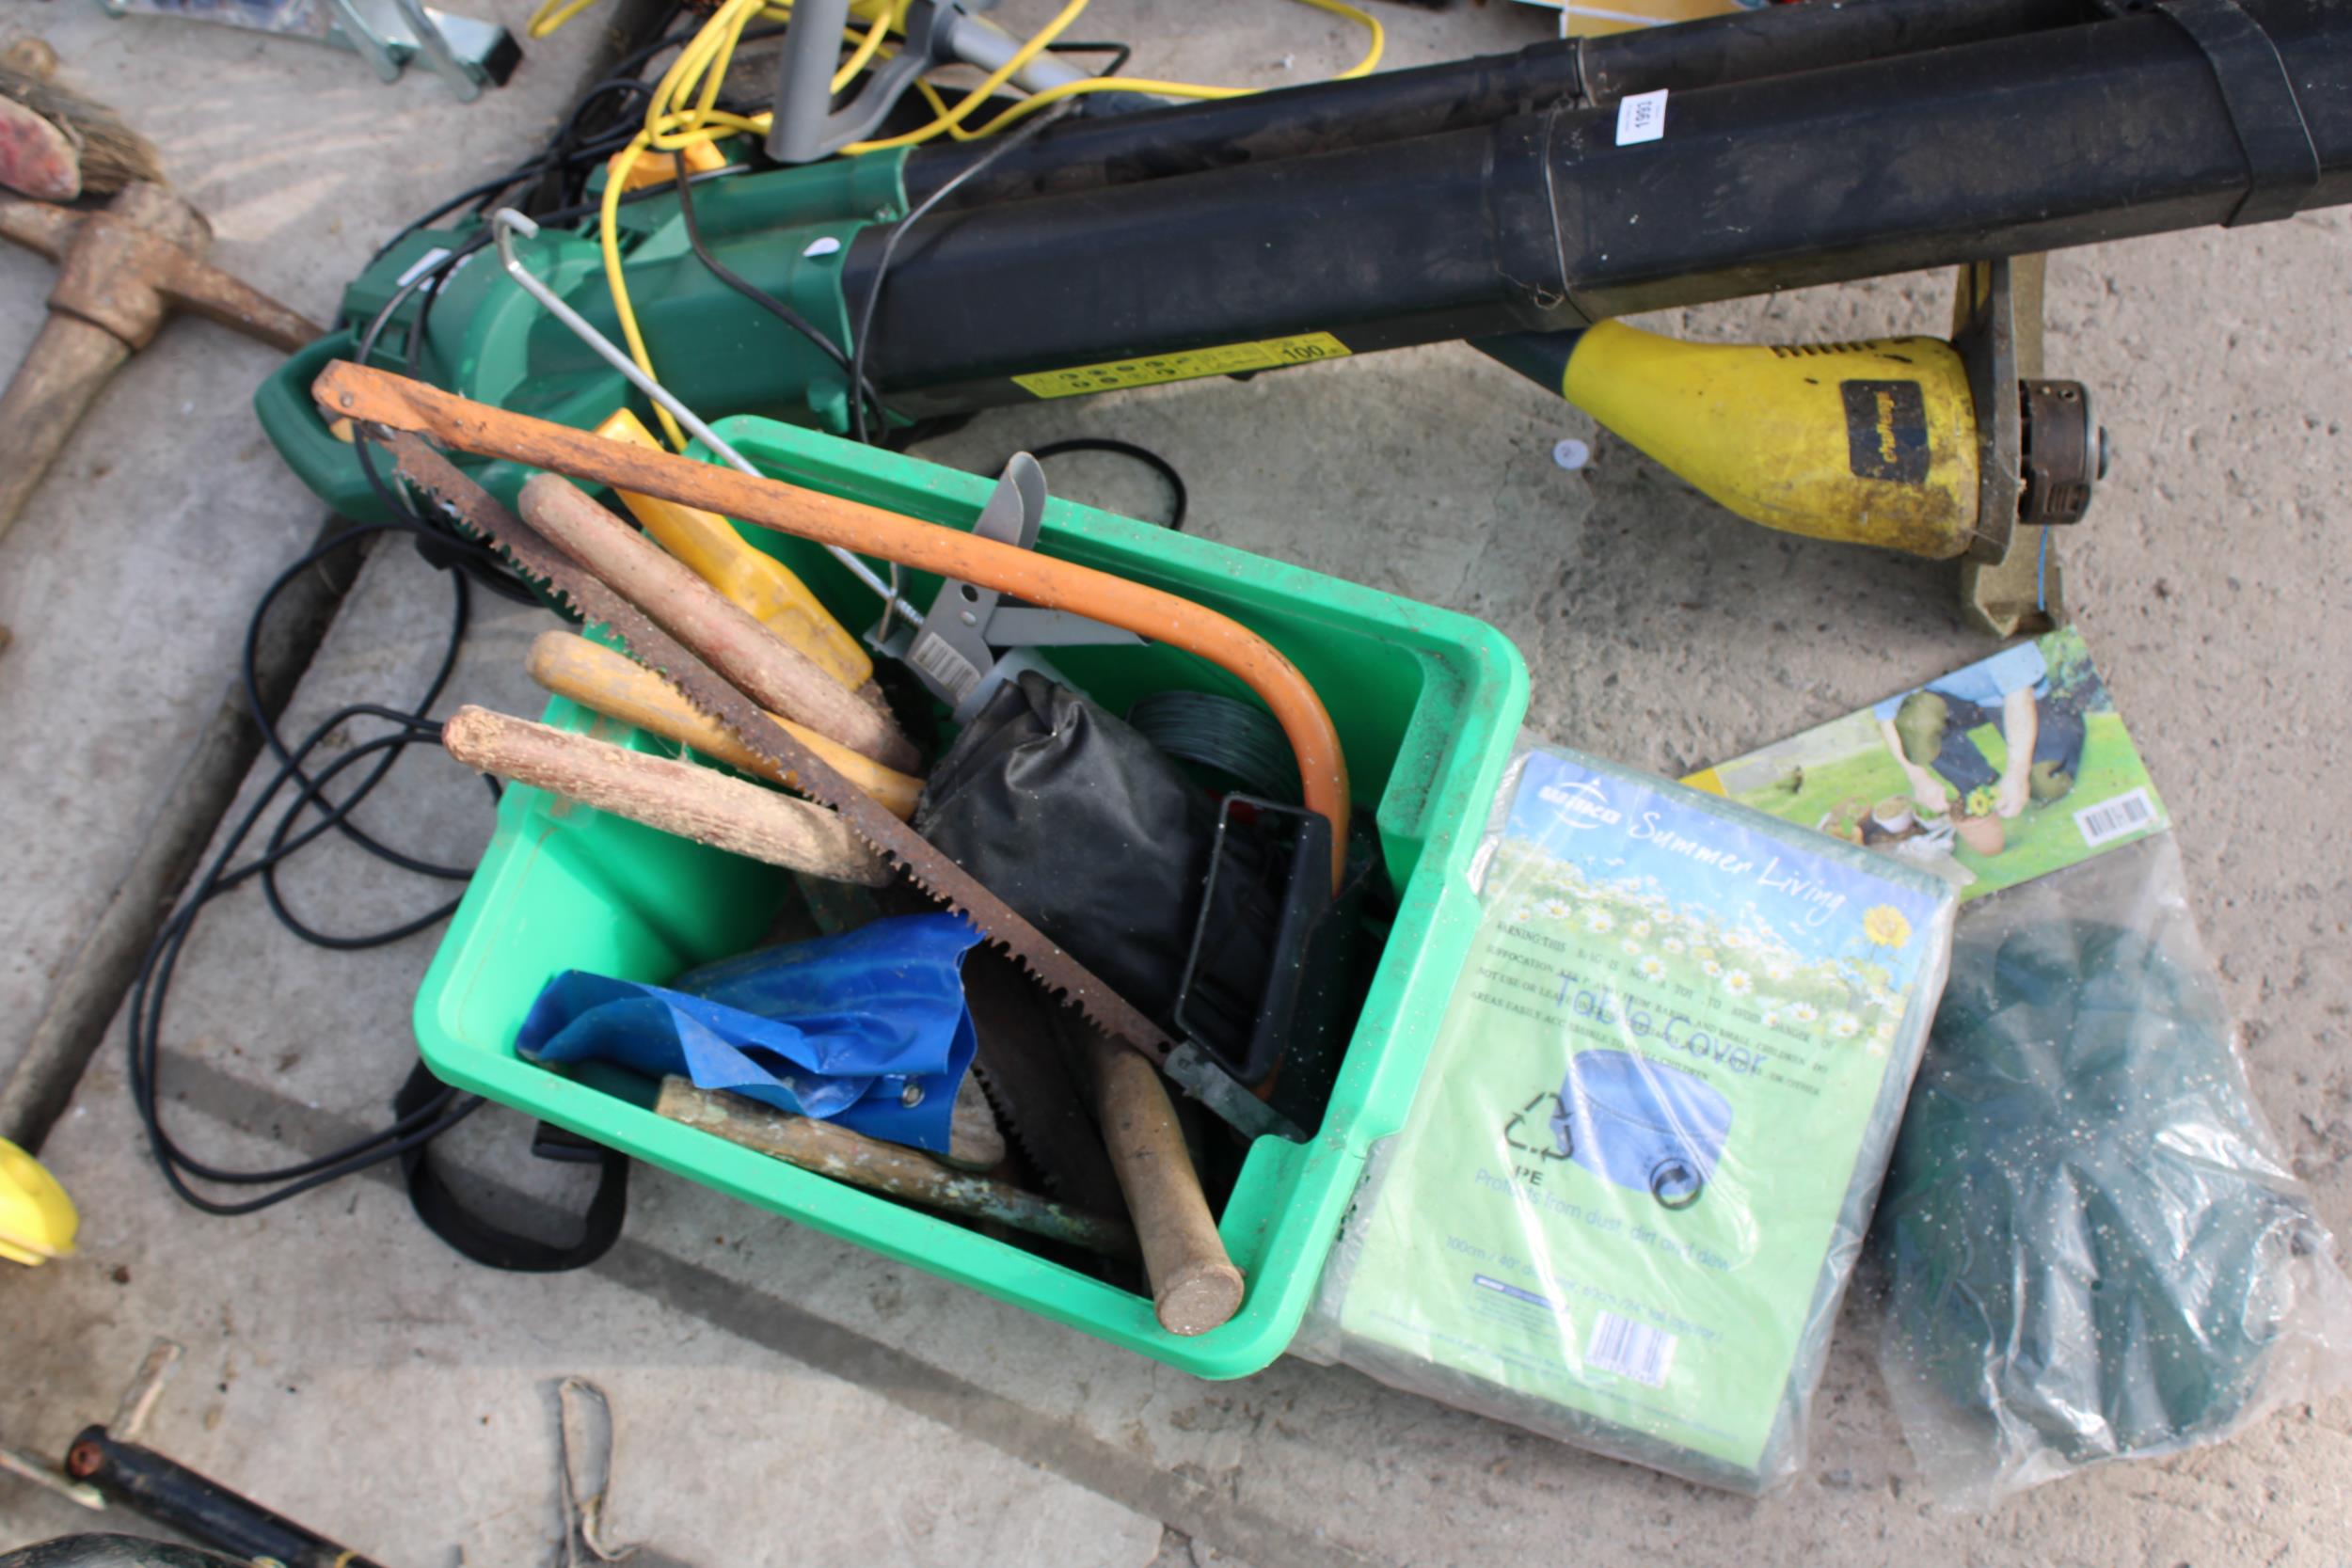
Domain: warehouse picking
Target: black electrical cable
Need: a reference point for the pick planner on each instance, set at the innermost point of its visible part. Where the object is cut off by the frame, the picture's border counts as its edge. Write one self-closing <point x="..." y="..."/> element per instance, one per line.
<point x="1180" y="497"/>
<point x="760" y="297"/>
<point x="150" y="991"/>
<point x="558" y="152"/>
<point x="312" y="813"/>
<point x="890" y="241"/>
<point x="289" y="762"/>
<point x="291" y="833"/>
<point x="470" y="560"/>
<point x="492" y="186"/>
<point x="574" y="122"/>
<point x="552" y="170"/>
<point x="873" y="295"/>
<point x="484" y="194"/>
<point x="864" y="341"/>
<point x="1120" y="53"/>
<point x="286" y="757"/>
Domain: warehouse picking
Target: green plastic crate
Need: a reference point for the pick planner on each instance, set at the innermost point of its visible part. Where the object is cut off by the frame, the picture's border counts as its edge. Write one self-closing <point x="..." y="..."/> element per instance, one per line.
<point x="1427" y="704"/>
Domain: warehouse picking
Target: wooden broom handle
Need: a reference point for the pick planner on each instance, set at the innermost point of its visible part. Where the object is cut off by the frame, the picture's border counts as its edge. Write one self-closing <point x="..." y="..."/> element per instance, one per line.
<point x="674" y="796"/>
<point x="345" y="390"/>
<point x="763" y="666"/>
<point x="888" y="1168"/>
<point x="611" y="682"/>
<point x="1195" y="1286"/>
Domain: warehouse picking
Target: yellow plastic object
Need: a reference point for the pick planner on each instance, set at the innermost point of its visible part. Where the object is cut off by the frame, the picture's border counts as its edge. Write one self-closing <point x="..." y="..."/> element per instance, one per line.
<point x="660" y="168"/>
<point x="37" y="1219"/>
<point x="756" y="581"/>
<point x="1869" y="443"/>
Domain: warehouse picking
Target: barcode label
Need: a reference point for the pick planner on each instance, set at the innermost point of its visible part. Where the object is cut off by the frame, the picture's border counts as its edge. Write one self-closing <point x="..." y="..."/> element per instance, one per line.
<point x="937" y="658"/>
<point x="1632" y="1349"/>
<point x="2111" y="820"/>
<point x="1641" y="117"/>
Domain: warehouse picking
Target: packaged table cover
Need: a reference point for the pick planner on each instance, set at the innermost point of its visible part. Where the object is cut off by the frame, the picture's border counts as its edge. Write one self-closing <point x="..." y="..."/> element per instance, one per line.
<point x="1648" y="1136"/>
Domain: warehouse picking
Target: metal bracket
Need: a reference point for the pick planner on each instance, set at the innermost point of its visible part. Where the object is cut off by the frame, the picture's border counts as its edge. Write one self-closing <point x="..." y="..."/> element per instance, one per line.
<point x="2281" y="161"/>
<point x="388" y="34"/>
<point x="1191" y="1068"/>
<point x="2011" y="582"/>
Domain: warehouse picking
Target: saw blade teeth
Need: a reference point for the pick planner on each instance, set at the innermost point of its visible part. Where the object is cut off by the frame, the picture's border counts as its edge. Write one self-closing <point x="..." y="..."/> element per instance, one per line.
<point x="1010" y="1118"/>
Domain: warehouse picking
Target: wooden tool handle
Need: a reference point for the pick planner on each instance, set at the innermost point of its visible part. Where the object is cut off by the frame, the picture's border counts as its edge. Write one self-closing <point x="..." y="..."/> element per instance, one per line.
<point x="675" y="797"/>
<point x="762" y="665"/>
<point x="612" y="684"/>
<point x="1195" y="1286"/>
<point x="38" y="225"/>
<point x="889" y="1168"/>
<point x="61" y="376"/>
<point x="202" y="289"/>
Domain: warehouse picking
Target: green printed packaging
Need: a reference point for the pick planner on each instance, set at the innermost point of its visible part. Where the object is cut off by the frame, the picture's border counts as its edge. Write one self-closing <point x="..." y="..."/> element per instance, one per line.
<point x="1645" y="1147"/>
<point x="2004" y="770"/>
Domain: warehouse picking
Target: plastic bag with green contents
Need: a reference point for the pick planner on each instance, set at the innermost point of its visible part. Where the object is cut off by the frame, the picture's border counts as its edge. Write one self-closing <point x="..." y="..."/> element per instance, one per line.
<point x="2095" y="1249"/>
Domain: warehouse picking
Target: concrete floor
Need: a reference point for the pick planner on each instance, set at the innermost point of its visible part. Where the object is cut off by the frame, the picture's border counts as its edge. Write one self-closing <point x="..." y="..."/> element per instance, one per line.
<point x="129" y="578"/>
<point x="786" y="1398"/>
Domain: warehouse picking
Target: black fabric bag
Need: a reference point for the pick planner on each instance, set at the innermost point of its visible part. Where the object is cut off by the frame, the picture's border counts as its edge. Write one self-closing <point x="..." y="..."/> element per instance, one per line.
<point x="1095" y="835"/>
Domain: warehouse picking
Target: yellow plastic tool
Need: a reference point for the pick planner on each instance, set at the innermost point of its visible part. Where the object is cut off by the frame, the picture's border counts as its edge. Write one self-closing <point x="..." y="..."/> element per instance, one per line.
<point x="1869" y="443"/>
<point x="756" y="580"/>
<point x="37" y="1219"/>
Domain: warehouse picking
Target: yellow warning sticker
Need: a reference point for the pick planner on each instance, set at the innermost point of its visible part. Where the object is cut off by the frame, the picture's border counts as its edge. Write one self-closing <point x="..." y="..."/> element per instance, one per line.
<point x="1153" y="369"/>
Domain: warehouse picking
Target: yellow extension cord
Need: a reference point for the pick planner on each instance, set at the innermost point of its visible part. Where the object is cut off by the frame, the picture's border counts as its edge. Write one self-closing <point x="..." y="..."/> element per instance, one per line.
<point x="701" y="69"/>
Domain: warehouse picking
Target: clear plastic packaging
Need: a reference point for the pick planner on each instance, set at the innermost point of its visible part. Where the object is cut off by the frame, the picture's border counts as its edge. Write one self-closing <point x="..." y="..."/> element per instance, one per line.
<point x="2093" y="1250"/>
<point x="1637" y="1174"/>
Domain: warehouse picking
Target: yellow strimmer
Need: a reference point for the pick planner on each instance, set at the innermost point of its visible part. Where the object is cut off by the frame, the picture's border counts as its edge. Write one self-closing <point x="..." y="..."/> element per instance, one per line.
<point x="1888" y="441"/>
<point x="37" y="1219"/>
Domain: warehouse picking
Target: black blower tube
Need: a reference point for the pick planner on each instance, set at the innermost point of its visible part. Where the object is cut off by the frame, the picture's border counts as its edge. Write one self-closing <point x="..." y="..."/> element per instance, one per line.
<point x="1541" y="221"/>
<point x="1396" y="106"/>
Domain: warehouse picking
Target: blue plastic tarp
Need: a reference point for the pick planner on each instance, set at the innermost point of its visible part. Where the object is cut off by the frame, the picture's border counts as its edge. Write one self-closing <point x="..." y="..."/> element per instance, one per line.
<point x="838" y="1028"/>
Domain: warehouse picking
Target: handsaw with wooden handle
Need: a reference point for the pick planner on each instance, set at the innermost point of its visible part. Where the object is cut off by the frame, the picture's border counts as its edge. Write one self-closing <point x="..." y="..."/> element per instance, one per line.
<point x="375" y="397"/>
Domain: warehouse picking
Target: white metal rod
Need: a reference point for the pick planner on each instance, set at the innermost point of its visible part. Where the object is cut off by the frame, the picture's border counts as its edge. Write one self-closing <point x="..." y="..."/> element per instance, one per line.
<point x="507" y="223"/>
